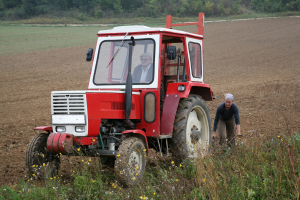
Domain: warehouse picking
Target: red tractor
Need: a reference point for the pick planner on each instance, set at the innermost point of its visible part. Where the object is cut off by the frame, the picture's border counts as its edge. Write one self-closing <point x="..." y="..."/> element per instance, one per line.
<point x="146" y="90"/>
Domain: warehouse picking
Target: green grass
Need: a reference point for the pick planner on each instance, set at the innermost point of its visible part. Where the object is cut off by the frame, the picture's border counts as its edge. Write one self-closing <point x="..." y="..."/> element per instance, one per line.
<point x="38" y="34"/>
<point x="16" y="39"/>
<point x="260" y="167"/>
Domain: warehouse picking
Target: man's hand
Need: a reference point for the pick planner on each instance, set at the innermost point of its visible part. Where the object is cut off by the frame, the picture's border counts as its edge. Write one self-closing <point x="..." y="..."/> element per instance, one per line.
<point x="239" y="134"/>
<point x="214" y="135"/>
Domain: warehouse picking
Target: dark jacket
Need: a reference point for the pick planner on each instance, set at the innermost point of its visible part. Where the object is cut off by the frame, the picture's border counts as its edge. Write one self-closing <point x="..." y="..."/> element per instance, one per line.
<point x="137" y="73"/>
<point x="226" y="115"/>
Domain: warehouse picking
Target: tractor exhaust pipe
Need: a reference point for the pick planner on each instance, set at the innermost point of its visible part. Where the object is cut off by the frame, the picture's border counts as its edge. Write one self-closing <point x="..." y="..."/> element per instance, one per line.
<point x="128" y="89"/>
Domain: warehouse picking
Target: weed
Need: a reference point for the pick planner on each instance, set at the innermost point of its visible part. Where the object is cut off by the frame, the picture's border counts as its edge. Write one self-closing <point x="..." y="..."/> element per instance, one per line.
<point x="257" y="168"/>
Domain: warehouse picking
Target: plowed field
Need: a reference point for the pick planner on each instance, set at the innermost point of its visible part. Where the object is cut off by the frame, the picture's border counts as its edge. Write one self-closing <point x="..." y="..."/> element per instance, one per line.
<point x="258" y="61"/>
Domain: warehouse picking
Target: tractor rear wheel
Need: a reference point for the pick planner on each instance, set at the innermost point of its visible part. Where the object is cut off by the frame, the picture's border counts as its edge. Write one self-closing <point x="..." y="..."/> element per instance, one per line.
<point x="131" y="162"/>
<point x="192" y="129"/>
<point x="40" y="163"/>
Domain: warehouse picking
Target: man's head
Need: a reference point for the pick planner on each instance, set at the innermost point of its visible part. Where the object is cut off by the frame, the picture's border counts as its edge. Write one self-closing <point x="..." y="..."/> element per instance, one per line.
<point x="146" y="59"/>
<point x="228" y="100"/>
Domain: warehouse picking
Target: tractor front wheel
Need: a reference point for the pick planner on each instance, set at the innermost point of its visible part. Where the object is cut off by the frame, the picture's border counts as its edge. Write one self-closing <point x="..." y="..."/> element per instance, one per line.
<point x="130" y="162"/>
<point x="192" y="129"/>
<point x="41" y="163"/>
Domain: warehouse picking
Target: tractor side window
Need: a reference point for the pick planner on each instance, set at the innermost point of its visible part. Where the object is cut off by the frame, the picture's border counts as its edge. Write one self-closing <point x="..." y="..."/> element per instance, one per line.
<point x="195" y="59"/>
<point x="170" y="67"/>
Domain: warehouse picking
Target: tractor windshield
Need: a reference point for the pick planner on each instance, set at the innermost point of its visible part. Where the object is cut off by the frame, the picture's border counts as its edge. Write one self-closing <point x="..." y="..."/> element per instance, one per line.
<point x="112" y="63"/>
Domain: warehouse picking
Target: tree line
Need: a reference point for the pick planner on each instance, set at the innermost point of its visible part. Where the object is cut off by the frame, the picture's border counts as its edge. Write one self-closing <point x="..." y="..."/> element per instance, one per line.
<point x="84" y="9"/>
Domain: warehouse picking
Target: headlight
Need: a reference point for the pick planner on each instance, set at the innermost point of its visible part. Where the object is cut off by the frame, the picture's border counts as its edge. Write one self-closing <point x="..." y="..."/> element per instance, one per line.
<point x="181" y="88"/>
<point x="80" y="129"/>
<point x="60" y="129"/>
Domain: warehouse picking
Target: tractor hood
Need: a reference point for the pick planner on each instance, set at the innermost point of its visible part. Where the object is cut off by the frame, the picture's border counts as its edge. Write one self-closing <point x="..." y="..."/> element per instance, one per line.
<point x="80" y="112"/>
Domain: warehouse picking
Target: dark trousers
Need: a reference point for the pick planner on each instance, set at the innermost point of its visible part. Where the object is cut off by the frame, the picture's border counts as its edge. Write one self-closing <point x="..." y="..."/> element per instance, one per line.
<point x="229" y="126"/>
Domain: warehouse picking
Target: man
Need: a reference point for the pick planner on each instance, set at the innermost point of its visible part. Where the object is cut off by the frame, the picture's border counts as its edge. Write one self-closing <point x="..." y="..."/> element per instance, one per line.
<point x="143" y="73"/>
<point x="227" y="117"/>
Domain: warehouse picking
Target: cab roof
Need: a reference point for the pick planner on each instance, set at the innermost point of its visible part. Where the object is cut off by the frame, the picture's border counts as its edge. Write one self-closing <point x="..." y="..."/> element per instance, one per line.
<point x="136" y="29"/>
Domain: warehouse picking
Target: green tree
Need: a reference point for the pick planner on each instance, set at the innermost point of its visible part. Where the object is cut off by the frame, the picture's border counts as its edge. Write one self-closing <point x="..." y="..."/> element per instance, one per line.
<point x="11" y="3"/>
<point x="29" y="7"/>
<point x="1" y="5"/>
<point x="209" y="8"/>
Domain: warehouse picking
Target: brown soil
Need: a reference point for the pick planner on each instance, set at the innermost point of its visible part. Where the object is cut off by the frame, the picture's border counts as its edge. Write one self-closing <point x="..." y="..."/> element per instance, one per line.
<point x="256" y="60"/>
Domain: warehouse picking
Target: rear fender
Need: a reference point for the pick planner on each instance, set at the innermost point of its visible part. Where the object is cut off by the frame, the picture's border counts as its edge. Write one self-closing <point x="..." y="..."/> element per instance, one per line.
<point x="137" y="133"/>
<point x="173" y="97"/>
<point x="197" y="88"/>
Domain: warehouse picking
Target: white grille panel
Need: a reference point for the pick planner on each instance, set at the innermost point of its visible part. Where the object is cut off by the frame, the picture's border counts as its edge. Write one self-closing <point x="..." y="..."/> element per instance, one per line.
<point x="68" y="103"/>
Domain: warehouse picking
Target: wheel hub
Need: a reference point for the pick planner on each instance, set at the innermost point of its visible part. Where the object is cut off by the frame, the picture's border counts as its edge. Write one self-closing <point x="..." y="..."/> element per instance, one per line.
<point x="195" y="135"/>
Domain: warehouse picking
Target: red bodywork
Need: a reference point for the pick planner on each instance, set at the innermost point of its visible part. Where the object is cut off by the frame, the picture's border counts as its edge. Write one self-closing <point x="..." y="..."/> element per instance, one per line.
<point x="109" y="106"/>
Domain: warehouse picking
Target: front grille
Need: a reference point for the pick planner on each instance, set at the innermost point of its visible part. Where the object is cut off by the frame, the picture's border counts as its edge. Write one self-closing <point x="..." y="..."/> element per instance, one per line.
<point x="68" y="103"/>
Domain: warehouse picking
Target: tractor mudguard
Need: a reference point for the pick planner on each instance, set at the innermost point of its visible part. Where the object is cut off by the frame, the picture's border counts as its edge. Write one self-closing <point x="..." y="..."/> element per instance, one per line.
<point x="172" y="98"/>
<point x="168" y="113"/>
<point x="45" y="128"/>
<point x="200" y="89"/>
<point x="137" y="133"/>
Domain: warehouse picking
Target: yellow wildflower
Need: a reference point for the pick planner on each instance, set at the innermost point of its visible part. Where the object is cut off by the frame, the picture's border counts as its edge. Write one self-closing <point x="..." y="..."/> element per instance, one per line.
<point x="180" y="165"/>
<point x="78" y="149"/>
<point x="133" y="178"/>
<point x="154" y="193"/>
<point x="137" y="168"/>
<point x="203" y="180"/>
<point x="44" y="164"/>
<point x="145" y="150"/>
<point x="136" y="174"/>
<point x="118" y="155"/>
<point x="176" y="179"/>
<point x="172" y="162"/>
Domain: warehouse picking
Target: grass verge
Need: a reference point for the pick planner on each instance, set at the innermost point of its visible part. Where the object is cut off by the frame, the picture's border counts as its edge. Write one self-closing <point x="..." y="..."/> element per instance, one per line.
<point x="259" y="167"/>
